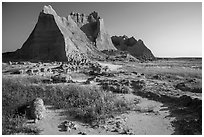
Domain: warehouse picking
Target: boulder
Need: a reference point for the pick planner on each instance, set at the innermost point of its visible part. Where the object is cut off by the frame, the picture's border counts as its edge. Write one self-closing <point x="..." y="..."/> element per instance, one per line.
<point x="37" y="109"/>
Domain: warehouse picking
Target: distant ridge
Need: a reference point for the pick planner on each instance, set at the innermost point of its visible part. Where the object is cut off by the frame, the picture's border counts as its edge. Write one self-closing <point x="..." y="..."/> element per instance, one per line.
<point x="179" y="58"/>
<point x="135" y="47"/>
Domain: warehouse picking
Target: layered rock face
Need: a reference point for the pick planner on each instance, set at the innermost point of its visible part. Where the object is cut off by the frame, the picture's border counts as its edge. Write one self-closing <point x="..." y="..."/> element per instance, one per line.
<point x="56" y="38"/>
<point x="93" y="26"/>
<point x="134" y="47"/>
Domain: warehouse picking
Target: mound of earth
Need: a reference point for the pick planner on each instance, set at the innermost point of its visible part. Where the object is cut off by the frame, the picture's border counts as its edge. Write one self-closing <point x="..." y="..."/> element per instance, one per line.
<point x="56" y="38"/>
<point x="134" y="47"/>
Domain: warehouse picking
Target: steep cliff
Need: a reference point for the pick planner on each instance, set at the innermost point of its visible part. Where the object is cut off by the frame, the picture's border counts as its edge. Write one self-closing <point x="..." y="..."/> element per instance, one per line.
<point x="93" y="26"/>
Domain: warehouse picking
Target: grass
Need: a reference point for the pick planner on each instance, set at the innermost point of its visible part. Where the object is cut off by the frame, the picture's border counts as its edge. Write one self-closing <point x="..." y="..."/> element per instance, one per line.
<point x="15" y="95"/>
<point x="13" y="124"/>
<point x="170" y="68"/>
<point x="86" y="103"/>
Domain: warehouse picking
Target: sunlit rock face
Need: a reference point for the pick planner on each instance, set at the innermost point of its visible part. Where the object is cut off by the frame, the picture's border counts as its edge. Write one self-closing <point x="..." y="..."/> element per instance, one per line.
<point x="93" y="26"/>
<point x="135" y="47"/>
<point x="56" y="38"/>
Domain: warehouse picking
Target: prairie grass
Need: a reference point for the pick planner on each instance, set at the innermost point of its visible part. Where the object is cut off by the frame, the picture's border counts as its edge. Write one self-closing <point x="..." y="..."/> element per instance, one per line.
<point x="182" y="68"/>
<point x="14" y="95"/>
<point x="89" y="104"/>
<point x="12" y="124"/>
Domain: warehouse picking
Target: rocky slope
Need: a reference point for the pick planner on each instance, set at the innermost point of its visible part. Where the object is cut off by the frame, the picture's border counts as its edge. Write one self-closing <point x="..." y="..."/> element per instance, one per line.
<point x="56" y="38"/>
<point x="135" y="47"/>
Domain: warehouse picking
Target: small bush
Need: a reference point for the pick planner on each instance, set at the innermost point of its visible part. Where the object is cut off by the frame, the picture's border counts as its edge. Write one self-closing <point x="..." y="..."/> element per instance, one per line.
<point x="122" y="105"/>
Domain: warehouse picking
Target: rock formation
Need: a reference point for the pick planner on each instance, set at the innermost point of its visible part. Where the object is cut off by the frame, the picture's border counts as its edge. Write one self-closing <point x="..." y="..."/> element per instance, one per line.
<point x="56" y="38"/>
<point x="74" y="38"/>
<point x="134" y="47"/>
<point x="93" y="26"/>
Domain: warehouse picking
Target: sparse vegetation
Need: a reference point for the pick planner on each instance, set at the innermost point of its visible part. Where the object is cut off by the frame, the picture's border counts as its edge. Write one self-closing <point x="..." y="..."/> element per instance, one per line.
<point x="104" y="96"/>
<point x="15" y="95"/>
<point x="169" y="68"/>
<point x="89" y="104"/>
<point x="14" y="124"/>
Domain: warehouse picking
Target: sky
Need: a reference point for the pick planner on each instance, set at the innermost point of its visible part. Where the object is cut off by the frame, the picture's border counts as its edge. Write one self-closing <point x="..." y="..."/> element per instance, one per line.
<point x="167" y="29"/>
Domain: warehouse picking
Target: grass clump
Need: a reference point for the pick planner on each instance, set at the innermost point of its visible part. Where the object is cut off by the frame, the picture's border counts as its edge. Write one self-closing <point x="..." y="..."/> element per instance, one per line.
<point x="87" y="103"/>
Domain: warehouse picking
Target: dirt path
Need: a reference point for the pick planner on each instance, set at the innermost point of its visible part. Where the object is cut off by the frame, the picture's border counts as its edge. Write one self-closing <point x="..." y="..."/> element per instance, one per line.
<point x="52" y="124"/>
<point x="151" y="118"/>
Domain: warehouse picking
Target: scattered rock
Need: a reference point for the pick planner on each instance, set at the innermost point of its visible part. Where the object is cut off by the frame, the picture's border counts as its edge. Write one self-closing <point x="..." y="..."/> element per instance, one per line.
<point x="17" y="72"/>
<point x="138" y="84"/>
<point x="60" y="78"/>
<point x="29" y="72"/>
<point x="114" y="130"/>
<point x="49" y="81"/>
<point x="158" y="77"/>
<point x="135" y="73"/>
<point x="190" y="85"/>
<point x="82" y="133"/>
<point x="70" y="125"/>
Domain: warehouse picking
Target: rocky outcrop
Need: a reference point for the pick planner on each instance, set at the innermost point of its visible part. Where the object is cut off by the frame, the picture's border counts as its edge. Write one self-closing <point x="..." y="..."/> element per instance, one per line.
<point x="134" y="47"/>
<point x="93" y="26"/>
<point x="56" y="38"/>
<point x="103" y="41"/>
